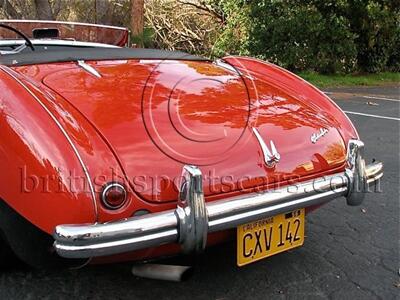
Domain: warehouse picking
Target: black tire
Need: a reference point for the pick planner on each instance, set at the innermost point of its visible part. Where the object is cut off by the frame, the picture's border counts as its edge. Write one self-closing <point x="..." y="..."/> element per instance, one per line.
<point x="28" y="243"/>
<point x="7" y="257"/>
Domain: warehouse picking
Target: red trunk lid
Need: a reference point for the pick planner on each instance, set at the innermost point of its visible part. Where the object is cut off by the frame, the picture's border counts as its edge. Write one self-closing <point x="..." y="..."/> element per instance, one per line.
<point x="157" y="117"/>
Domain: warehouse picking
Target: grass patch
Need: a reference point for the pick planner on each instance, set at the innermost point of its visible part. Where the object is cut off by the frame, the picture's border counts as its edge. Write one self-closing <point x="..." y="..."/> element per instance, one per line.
<point x="324" y="81"/>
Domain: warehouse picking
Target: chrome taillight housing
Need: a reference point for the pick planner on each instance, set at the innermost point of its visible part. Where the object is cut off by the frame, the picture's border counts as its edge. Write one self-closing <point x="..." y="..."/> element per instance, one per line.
<point x="114" y="195"/>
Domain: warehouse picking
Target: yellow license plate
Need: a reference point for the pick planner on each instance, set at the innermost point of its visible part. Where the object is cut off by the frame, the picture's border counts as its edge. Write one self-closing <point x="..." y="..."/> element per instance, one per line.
<point x="269" y="236"/>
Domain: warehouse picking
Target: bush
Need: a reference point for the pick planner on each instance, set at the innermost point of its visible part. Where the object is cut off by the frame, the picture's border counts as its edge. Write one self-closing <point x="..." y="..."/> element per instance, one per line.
<point x="299" y="37"/>
<point x="234" y="37"/>
<point x="393" y="63"/>
<point x="326" y="36"/>
<point x="376" y="24"/>
<point x="341" y="36"/>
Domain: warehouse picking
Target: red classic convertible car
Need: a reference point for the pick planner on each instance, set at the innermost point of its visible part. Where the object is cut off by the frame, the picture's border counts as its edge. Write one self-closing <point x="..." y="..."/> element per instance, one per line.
<point x="110" y="153"/>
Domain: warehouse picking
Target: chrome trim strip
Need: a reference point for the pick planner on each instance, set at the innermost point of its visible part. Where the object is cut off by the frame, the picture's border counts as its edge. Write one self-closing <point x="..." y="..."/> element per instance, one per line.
<point x="221" y="63"/>
<point x="88" y="68"/>
<point x="15" y="51"/>
<point x="63" y="22"/>
<point x="186" y="224"/>
<point x="56" y="43"/>
<point x="63" y="131"/>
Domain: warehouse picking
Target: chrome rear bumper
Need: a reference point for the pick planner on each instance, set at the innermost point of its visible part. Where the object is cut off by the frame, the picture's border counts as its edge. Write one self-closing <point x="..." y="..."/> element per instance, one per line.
<point x="193" y="218"/>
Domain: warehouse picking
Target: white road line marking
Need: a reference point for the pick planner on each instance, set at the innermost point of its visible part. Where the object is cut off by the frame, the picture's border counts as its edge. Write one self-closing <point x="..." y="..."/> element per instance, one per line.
<point x="367" y="97"/>
<point x="381" y="98"/>
<point x="372" y="116"/>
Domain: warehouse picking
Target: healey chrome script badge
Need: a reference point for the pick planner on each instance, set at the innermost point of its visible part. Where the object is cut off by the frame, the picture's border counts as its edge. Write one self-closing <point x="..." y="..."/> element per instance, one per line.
<point x="317" y="135"/>
<point x="271" y="157"/>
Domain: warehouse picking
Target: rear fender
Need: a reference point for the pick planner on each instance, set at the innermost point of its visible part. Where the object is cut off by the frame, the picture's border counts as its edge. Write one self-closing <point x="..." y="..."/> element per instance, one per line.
<point x="71" y="146"/>
<point x="294" y="84"/>
<point x="38" y="163"/>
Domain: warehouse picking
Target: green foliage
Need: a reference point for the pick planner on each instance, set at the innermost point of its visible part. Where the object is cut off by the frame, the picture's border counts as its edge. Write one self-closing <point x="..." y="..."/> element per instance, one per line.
<point x="325" y="36"/>
<point x="323" y="81"/>
<point x="393" y="62"/>
<point x="299" y="37"/>
<point x="234" y="36"/>
<point x="376" y="24"/>
<point x="146" y="40"/>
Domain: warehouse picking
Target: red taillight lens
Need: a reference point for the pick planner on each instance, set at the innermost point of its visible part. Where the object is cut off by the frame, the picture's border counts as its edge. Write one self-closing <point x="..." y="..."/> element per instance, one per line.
<point x="113" y="195"/>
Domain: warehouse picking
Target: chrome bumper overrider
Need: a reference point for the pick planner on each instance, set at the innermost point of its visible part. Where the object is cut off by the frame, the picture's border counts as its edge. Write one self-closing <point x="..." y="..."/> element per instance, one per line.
<point x="193" y="219"/>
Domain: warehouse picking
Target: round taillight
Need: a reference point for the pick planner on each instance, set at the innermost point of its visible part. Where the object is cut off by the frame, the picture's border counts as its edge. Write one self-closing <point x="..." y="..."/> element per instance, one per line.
<point x="113" y="195"/>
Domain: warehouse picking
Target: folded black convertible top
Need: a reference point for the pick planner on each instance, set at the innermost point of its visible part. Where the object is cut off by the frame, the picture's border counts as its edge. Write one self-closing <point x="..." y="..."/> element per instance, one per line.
<point x="72" y="54"/>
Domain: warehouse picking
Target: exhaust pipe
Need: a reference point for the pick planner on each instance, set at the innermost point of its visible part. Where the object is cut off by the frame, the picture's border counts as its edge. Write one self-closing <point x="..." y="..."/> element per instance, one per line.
<point x="162" y="272"/>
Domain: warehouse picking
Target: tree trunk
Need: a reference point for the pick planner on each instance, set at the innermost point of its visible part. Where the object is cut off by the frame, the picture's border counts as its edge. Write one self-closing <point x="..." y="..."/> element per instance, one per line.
<point x="43" y="10"/>
<point x="137" y="19"/>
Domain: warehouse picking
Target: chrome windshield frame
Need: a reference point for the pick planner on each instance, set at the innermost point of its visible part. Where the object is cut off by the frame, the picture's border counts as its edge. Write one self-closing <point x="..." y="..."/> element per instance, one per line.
<point x="55" y="42"/>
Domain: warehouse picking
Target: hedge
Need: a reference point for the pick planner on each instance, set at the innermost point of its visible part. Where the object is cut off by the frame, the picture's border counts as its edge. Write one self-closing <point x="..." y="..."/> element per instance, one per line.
<point x="342" y="36"/>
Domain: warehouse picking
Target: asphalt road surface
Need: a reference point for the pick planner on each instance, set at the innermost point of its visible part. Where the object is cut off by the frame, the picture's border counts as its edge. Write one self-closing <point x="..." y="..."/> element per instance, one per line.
<point x="349" y="252"/>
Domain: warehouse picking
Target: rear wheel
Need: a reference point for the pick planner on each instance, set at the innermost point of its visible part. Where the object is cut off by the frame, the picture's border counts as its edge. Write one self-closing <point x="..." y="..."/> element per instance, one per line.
<point x="7" y="257"/>
<point x="22" y="240"/>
